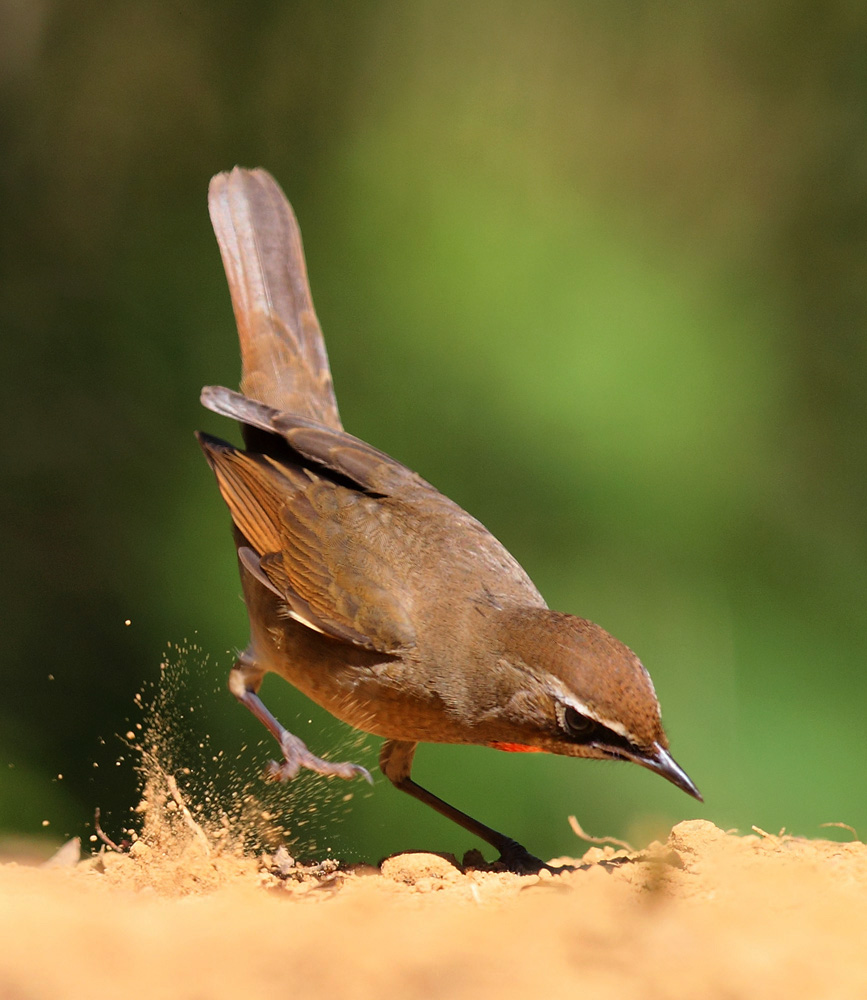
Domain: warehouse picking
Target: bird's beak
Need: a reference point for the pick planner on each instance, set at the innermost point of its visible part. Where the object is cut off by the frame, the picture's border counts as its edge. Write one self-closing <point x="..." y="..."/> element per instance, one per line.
<point x="660" y="760"/>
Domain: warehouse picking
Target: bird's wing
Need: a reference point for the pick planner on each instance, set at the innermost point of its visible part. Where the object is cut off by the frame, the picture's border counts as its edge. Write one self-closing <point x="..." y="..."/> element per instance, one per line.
<point x="466" y="545"/>
<point x="322" y="546"/>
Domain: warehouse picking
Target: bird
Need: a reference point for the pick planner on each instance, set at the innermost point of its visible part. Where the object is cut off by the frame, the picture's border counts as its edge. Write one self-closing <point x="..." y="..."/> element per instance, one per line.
<point x="369" y="590"/>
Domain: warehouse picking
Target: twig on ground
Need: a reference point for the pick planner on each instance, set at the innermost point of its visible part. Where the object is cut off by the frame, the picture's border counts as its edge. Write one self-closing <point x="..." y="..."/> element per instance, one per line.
<point x="578" y="830"/>
<point x="175" y="793"/>
<point x="843" y="826"/>
<point x="103" y="836"/>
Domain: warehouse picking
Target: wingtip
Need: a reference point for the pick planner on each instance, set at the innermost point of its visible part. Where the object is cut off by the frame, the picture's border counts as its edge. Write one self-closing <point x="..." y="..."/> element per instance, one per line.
<point x="212" y="446"/>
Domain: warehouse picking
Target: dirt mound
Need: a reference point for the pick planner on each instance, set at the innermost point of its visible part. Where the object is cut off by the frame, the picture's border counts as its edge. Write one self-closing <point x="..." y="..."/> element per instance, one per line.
<point x="707" y="914"/>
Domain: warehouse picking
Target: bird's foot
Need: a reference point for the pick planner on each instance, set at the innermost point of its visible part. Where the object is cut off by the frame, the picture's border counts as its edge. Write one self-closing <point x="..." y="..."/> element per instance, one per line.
<point x="296" y="756"/>
<point x="516" y="858"/>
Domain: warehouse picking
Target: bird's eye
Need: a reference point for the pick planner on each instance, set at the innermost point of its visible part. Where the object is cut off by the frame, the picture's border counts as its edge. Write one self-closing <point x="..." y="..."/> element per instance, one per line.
<point x="577" y="725"/>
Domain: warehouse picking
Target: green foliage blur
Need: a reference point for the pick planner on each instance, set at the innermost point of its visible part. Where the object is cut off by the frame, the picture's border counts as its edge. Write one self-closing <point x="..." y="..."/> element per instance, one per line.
<point x="597" y="270"/>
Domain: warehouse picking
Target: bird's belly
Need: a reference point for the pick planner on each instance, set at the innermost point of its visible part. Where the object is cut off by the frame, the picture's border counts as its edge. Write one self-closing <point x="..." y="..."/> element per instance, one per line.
<point x="383" y="695"/>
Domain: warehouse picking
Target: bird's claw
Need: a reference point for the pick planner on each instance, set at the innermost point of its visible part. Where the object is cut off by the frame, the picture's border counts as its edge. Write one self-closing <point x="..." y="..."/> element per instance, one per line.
<point x="516" y="858"/>
<point x="296" y="756"/>
<point x="287" y="770"/>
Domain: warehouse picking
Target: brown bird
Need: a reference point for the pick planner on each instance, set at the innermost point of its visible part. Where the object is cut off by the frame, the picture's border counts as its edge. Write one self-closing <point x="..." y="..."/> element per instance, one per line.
<point x="366" y="588"/>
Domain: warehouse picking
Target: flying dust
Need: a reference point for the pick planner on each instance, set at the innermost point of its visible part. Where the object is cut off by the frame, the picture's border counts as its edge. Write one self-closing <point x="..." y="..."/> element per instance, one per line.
<point x="200" y="792"/>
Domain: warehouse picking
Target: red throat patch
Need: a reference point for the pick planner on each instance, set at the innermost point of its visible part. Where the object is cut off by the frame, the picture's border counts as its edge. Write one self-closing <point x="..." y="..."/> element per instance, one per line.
<point x="515" y="748"/>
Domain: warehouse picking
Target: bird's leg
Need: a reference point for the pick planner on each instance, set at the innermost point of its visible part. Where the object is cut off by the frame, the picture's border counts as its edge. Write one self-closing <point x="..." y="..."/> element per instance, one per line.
<point x="395" y="760"/>
<point x="295" y="752"/>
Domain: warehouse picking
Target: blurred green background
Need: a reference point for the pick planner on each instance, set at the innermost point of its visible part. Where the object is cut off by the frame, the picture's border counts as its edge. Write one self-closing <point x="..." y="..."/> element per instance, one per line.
<point x="597" y="270"/>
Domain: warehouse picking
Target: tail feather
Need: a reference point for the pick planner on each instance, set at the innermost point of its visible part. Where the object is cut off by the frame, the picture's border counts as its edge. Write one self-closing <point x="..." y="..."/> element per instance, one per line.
<point x="283" y="357"/>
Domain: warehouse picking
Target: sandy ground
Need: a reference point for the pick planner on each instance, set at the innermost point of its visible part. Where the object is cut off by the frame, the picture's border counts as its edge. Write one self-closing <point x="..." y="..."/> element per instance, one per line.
<point x="705" y="915"/>
<point x="200" y="903"/>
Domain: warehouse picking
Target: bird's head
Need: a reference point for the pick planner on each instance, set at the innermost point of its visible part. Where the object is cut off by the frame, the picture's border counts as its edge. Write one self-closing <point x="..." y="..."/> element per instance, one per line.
<point x="586" y="694"/>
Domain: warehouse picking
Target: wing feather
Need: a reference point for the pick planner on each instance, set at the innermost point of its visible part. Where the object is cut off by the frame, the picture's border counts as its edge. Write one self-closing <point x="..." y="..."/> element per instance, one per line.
<point x="322" y="546"/>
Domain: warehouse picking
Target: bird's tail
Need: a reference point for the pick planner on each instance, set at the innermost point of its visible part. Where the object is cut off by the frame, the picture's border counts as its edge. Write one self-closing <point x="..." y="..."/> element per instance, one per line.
<point x="283" y="358"/>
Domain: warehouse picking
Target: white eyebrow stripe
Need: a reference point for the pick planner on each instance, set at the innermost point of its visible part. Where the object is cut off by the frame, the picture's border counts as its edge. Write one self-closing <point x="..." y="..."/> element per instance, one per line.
<point x="567" y="698"/>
